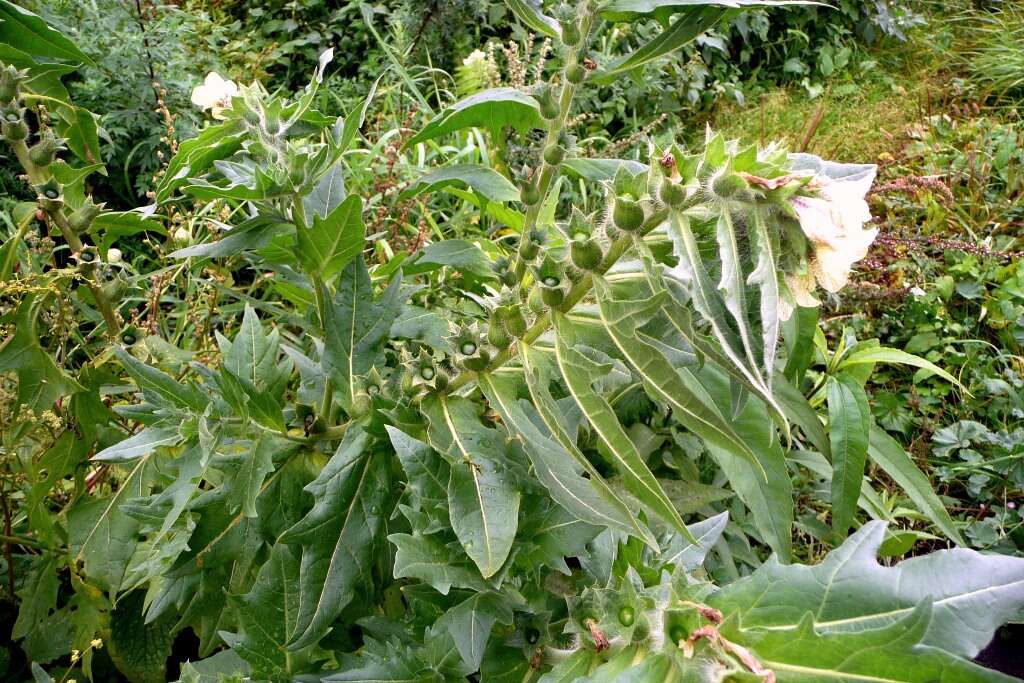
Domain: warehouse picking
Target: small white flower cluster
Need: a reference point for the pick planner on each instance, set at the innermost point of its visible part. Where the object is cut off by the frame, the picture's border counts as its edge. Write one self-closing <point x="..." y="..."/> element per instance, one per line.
<point x="214" y="94"/>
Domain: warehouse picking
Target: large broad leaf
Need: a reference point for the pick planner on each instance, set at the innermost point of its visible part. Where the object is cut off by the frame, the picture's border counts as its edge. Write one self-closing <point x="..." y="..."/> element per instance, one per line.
<point x="249" y="236"/>
<point x="328" y="193"/>
<point x="492" y="109"/>
<point x="529" y="12"/>
<point x="267" y="615"/>
<point x="482" y="495"/>
<point x="331" y="243"/>
<point x="970" y="594"/>
<point x="580" y="372"/>
<point x="892" y="654"/>
<point x="888" y="454"/>
<point x="29" y="33"/>
<point x="481" y="179"/>
<point x="338" y="536"/>
<point x="102" y="535"/>
<point x="252" y="356"/>
<point x="462" y="255"/>
<point x="431" y="561"/>
<point x="580" y="490"/>
<point x="140" y="648"/>
<point x="357" y="327"/>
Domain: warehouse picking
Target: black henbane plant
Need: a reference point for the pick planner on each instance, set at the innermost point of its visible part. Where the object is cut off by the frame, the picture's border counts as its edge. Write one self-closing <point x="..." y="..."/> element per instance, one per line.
<point x="393" y="473"/>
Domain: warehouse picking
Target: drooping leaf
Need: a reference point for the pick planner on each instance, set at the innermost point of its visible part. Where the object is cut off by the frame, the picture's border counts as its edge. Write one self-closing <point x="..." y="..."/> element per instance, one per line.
<point x="690" y="404"/>
<point x="849" y="421"/>
<point x="589" y="498"/>
<point x="888" y="454"/>
<point x="580" y="372"/>
<point x="663" y="9"/>
<point x="529" y="12"/>
<point x="338" y="537"/>
<point x="492" y="109"/>
<point x="599" y="170"/>
<point x="29" y="33"/>
<point x="685" y="29"/>
<point x="162" y="389"/>
<point x="878" y="354"/>
<point x="331" y="243"/>
<point x="481" y="179"/>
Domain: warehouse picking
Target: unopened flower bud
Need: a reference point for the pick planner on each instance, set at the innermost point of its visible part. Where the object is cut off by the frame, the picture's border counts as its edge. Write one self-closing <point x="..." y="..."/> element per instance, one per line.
<point x="114" y="255"/>
<point x="182" y="234"/>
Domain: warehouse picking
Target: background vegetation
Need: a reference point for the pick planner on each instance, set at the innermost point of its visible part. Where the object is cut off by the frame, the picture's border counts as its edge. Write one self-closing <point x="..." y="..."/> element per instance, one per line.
<point x="930" y="91"/>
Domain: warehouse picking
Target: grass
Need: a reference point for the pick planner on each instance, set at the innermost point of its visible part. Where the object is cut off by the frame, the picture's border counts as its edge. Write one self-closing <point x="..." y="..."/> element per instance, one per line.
<point x="855" y="119"/>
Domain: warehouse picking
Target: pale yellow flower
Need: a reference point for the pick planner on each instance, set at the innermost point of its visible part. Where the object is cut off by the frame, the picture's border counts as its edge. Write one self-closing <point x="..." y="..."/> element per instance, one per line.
<point x="834" y="225"/>
<point x="215" y="94"/>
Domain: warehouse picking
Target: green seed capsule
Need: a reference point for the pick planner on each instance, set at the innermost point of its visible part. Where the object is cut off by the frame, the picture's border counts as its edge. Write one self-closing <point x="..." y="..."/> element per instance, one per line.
<point x="87" y="257"/>
<point x="515" y="324"/>
<point x="552" y="296"/>
<point x="575" y="74"/>
<point x="15" y="131"/>
<point x="529" y="250"/>
<point x="529" y="194"/>
<point x="532" y="636"/>
<point x="13" y="118"/>
<point x="549" y="109"/>
<point x="51" y="194"/>
<point x="550" y="281"/>
<point x="627" y="214"/>
<point x="627" y="615"/>
<point x="468" y="348"/>
<point x="498" y="336"/>
<point x="373" y="390"/>
<point x="673" y="194"/>
<point x="729" y="184"/>
<point x="427" y="373"/>
<point x="586" y="254"/>
<point x="677" y="633"/>
<point x="554" y="154"/>
<point x="128" y="339"/>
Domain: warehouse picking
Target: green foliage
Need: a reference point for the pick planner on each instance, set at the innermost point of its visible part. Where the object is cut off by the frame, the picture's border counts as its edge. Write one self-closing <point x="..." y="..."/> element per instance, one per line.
<point x="557" y="438"/>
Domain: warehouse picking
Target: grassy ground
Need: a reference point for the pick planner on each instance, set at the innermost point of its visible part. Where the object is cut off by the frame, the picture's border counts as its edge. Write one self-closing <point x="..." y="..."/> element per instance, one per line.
<point x="855" y="119"/>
